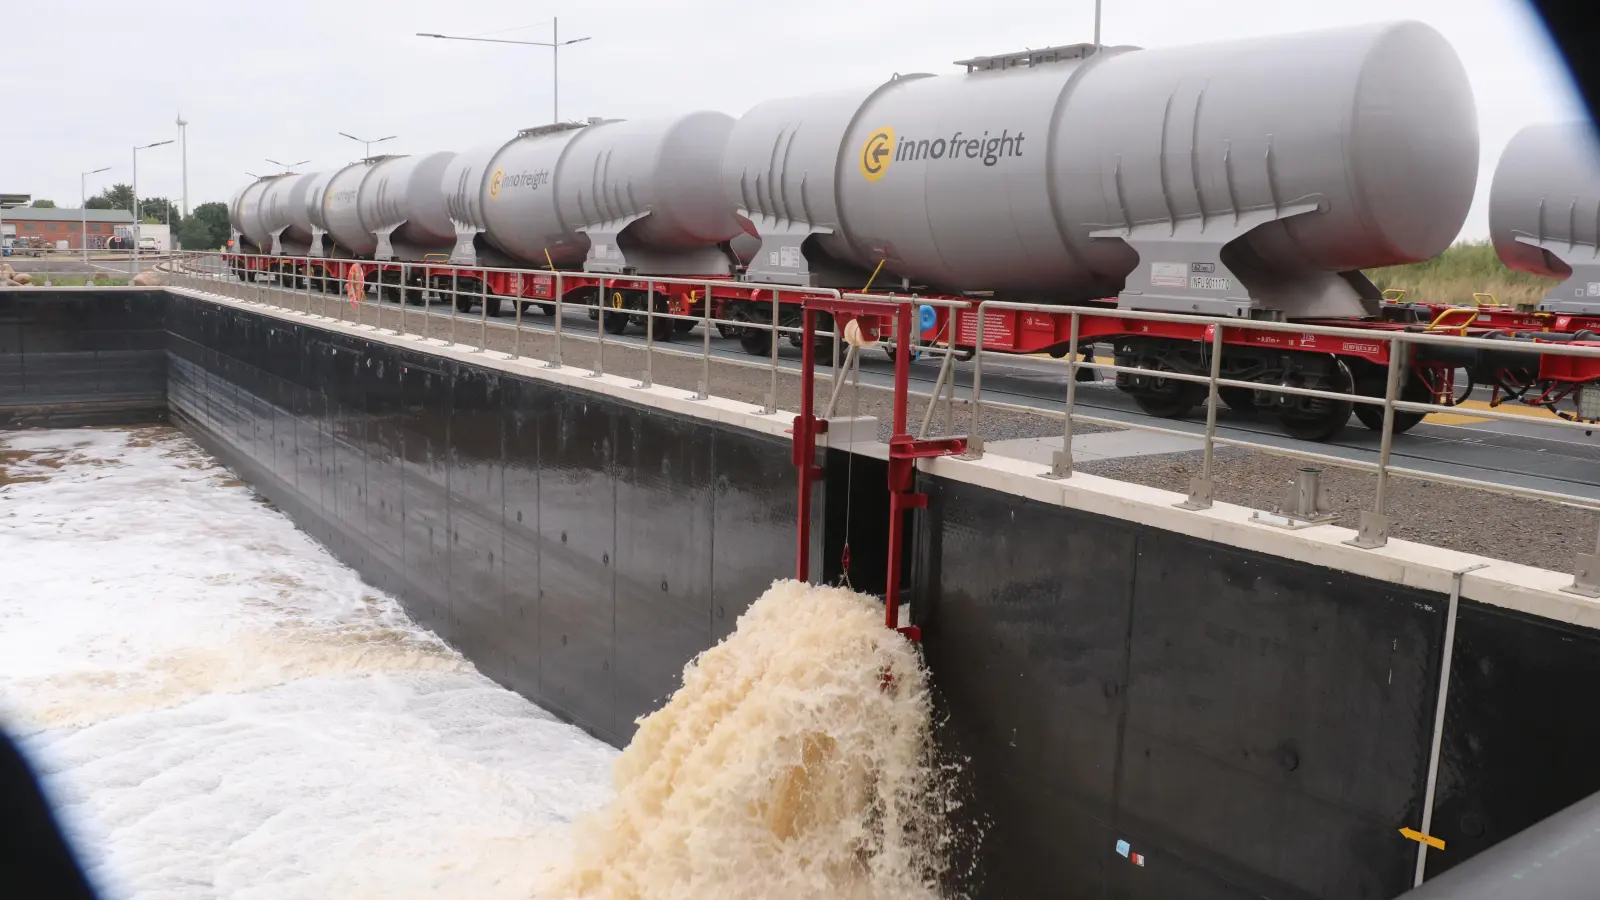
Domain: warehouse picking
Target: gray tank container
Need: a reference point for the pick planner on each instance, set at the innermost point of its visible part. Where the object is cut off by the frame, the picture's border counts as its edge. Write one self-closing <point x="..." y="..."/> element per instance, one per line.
<point x="618" y="197"/>
<point x="403" y="205"/>
<point x="1544" y="211"/>
<point x="1251" y="177"/>
<point x="233" y="215"/>
<point x="310" y="213"/>
<point x="339" y="212"/>
<point x="246" y="213"/>
<point x="283" y="221"/>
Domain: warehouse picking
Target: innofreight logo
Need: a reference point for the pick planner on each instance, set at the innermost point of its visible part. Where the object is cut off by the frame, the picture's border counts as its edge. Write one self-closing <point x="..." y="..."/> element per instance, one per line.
<point x="882" y="148"/>
<point x="530" y="180"/>
<point x="875" y="153"/>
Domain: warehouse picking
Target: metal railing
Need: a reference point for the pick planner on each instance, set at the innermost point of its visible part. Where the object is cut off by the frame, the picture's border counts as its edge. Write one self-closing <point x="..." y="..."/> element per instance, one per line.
<point x="467" y="286"/>
<point x="67" y="268"/>
<point x="210" y="272"/>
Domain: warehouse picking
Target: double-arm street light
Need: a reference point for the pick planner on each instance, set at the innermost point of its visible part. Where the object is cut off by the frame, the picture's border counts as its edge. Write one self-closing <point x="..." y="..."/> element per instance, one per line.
<point x="83" y="207"/>
<point x="136" y="199"/>
<point x="555" y="44"/>
<point x="367" y="153"/>
<point x="288" y="168"/>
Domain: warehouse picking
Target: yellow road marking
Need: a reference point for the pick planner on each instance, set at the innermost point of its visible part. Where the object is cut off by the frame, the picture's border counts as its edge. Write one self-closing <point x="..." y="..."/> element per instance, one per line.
<point x="1453" y="419"/>
<point x="1515" y="409"/>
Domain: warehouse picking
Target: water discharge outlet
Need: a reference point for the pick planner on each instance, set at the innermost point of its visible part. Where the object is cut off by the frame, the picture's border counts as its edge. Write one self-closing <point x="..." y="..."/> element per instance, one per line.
<point x="783" y="768"/>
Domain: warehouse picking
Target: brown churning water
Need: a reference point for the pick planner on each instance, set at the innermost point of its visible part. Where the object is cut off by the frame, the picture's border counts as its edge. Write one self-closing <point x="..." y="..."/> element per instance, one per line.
<point x="783" y="769"/>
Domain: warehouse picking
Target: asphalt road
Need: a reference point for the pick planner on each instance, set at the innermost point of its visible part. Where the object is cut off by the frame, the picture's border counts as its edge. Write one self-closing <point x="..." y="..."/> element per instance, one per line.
<point x="74" y="265"/>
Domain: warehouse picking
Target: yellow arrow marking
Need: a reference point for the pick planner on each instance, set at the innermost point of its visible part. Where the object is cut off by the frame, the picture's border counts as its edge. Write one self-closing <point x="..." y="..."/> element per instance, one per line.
<point x="1419" y="837"/>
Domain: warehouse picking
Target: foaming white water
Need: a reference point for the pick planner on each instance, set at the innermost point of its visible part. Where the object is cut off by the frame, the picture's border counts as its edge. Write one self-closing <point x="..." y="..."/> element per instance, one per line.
<point x="223" y="710"/>
<point x="795" y="762"/>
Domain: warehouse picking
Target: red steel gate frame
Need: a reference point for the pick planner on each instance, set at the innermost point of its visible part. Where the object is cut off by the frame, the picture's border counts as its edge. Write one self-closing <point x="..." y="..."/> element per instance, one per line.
<point x="904" y="449"/>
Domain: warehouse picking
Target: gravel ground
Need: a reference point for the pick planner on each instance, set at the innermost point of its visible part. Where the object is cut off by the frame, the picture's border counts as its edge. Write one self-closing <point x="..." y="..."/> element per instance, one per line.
<point x="1532" y="532"/>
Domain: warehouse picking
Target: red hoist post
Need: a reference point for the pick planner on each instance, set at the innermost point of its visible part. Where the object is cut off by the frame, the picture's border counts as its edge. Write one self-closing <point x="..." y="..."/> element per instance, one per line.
<point x="806" y="428"/>
<point x="904" y="450"/>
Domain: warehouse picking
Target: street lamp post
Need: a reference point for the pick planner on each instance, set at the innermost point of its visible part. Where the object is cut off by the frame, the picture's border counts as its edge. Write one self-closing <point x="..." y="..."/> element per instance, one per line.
<point x="367" y="153"/>
<point x="183" y="147"/>
<point x="135" y="268"/>
<point x="555" y="44"/>
<point x="83" y="209"/>
<point x="288" y="168"/>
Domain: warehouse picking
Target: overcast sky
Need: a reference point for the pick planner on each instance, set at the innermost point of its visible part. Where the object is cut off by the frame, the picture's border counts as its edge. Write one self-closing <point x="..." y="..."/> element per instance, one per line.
<point x="281" y="78"/>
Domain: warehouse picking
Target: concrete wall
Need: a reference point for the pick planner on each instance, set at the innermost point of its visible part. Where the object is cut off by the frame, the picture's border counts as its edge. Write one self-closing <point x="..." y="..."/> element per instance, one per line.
<point x="578" y="549"/>
<point x="1257" y="727"/>
<point x="82" y="357"/>
<point x="1251" y="709"/>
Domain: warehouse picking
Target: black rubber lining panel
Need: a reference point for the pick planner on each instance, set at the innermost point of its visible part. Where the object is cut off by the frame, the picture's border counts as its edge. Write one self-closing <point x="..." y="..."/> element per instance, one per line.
<point x="576" y="548"/>
<point x="1252" y="726"/>
<point x="1520" y="733"/>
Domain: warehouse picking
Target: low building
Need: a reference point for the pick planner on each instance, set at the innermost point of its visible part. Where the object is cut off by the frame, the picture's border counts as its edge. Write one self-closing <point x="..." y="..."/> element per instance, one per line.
<point x="56" y="225"/>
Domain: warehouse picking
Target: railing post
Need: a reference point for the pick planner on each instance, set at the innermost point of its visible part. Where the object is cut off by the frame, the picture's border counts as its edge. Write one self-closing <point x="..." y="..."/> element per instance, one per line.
<point x="1202" y="489"/>
<point x="483" y="312"/>
<point x="427" y="305"/>
<point x="1373" y="530"/>
<point x="771" y="406"/>
<point x="1586" y="573"/>
<point x="974" y="439"/>
<point x="455" y="302"/>
<point x="704" y="390"/>
<point x="516" y="306"/>
<point x="600" y="332"/>
<point x="555" y="357"/>
<point x="405" y="296"/>
<point x="1061" y="460"/>
<point x="649" y="335"/>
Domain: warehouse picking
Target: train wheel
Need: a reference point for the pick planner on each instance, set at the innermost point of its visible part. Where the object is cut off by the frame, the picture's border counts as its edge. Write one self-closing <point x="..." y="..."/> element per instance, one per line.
<point x="1375" y="384"/>
<point x="616" y="321"/>
<point x="1168" y="398"/>
<point x="1238" y="399"/>
<point x="1324" y="425"/>
<point x="1173" y="402"/>
<point x="682" y="326"/>
<point x="548" y="309"/>
<point x="825" y="345"/>
<point x="755" y="341"/>
<point x="491" y="306"/>
<point x="727" y="331"/>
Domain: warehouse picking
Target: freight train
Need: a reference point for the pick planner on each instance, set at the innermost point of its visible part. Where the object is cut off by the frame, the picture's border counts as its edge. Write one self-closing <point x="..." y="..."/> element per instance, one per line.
<point x="1251" y="179"/>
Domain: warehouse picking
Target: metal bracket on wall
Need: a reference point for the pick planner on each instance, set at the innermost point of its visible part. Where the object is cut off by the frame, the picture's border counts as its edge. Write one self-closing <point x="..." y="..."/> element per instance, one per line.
<point x="1372" y="532"/>
<point x="1445" y="661"/>
<point x="1305" y="505"/>
<point x="1586" y="574"/>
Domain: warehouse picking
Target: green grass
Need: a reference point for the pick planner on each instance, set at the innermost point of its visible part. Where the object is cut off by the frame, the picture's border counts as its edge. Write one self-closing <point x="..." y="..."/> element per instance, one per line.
<point x="1455" y="275"/>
